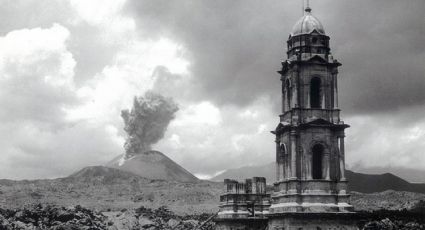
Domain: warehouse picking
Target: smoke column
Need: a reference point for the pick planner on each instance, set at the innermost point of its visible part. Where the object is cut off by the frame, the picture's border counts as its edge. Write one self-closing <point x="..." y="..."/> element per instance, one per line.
<point x="147" y="122"/>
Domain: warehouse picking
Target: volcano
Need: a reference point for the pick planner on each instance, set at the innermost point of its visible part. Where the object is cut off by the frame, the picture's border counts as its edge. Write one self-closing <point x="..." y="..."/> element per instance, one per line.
<point x="153" y="165"/>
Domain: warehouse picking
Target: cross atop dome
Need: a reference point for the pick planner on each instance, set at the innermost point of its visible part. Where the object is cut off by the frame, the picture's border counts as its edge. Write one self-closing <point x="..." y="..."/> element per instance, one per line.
<point x="307" y="24"/>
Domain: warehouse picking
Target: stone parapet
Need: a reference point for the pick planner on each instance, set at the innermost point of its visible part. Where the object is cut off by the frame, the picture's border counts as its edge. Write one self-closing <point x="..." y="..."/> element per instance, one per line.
<point x="305" y="115"/>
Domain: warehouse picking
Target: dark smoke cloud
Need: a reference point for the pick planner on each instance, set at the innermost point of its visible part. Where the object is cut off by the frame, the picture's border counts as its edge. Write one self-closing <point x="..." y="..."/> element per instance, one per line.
<point x="147" y="122"/>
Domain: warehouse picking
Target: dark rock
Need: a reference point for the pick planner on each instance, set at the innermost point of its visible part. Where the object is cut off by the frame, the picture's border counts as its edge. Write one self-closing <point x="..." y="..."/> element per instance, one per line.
<point x="51" y="217"/>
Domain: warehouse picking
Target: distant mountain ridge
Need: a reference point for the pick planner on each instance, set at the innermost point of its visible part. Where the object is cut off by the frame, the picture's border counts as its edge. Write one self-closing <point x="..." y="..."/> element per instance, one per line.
<point x="153" y="165"/>
<point x="410" y="175"/>
<point x="359" y="182"/>
<point x="368" y="183"/>
<point x="267" y="171"/>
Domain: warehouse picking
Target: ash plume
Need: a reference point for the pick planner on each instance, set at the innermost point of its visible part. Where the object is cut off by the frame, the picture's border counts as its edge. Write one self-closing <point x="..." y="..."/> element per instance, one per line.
<point x="146" y="122"/>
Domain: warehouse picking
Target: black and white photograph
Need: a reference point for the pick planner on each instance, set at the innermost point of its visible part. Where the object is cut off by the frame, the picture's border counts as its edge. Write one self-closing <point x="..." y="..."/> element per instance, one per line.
<point x="212" y="114"/>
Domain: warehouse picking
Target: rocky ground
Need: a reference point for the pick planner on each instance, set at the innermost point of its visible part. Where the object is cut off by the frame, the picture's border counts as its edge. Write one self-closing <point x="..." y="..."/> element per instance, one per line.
<point x="161" y="218"/>
<point x="54" y="217"/>
<point x="395" y="224"/>
<point x="107" y="189"/>
<point x="388" y="200"/>
<point x="51" y="217"/>
<point x="411" y="219"/>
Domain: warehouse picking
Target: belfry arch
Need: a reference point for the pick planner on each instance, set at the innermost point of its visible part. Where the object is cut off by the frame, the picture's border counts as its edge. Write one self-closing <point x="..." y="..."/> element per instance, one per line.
<point x="317" y="161"/>
<point x="283" y="149"/>
<point x="315" y="93"/>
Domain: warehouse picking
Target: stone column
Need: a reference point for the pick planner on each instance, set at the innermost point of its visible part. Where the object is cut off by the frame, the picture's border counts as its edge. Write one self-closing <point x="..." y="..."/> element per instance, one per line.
<point x="294" y="96"/>
<point x="293" y="138"/>
<point x="297" y="90"/>
<point x="286" y="94"/>
<point x="278" y="161"/>
<point x="309" y="166"/>
<point x="342" y="157"/>
<point x="277" y="166"/>
<point x="282" y="164"/>
<point x="283" y="89"/>
<point x="307" y="90"/>
<point x="335" y="89"/>
<point x="285" y="169"/>
<point x="327" y="166"/>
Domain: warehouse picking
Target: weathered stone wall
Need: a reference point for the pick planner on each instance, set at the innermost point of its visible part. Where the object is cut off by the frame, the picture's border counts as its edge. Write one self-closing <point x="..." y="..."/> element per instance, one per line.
<point x="241" y="224"/>
<point x="313" y="222"/>
<point x="243" y="200"/>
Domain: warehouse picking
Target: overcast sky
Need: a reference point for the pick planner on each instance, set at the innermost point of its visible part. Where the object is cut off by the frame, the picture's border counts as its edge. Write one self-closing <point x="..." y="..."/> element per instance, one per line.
<point x="68" y="67"/>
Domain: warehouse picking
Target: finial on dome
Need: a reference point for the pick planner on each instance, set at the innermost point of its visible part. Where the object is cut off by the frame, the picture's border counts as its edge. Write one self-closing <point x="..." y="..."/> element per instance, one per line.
<point x="308" y="9"/>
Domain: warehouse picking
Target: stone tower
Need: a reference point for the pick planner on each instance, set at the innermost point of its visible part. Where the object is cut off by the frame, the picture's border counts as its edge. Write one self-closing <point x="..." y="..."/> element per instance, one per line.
<point x="311" y="188"/>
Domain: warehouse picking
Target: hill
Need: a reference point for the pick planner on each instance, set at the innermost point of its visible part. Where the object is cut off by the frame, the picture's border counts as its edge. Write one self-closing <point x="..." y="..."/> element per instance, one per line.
<point x="408" y="174"/>
<point x="359" y="182"/>
<point x="153" y="165"/>
<point x="103" y="175"/>
<point x="368" y="183"/>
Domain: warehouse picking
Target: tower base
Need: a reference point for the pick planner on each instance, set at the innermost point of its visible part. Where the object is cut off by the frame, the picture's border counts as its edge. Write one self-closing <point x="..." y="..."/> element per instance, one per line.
<point x="240" y="223"/>
<point x="313" y="221"/>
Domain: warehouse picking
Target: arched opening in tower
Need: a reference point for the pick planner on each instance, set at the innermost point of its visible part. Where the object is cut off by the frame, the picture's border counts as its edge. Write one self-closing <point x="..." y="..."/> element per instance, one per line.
<point x="282" y="149"/>
<point x="315" y="93"/>
<point x="317" y="161"/>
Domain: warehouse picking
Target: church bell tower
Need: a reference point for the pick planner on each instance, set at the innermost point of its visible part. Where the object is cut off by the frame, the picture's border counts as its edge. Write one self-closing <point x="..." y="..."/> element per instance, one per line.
<point x="310" y="191"/>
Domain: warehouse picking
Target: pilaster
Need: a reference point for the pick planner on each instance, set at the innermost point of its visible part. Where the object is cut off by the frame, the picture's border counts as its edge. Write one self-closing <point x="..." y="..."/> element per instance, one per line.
<point x="342" y="157"/>
<point x="278" y="161"/>
<point x="293" y="139"/>
<point x="327" y="166"/>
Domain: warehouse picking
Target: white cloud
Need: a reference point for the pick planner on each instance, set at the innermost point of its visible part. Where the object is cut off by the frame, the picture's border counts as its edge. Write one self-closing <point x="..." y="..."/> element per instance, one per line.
<point x="36" y="74"/>
<point x="37" y="85"/>
<point x="103" y="13"/>
<point x="214" y="138"/>
<point x="130" y="74"/>
<point x="38" y="53"/>
<point x="385" y="140"/>
<point x="204" y="113"/>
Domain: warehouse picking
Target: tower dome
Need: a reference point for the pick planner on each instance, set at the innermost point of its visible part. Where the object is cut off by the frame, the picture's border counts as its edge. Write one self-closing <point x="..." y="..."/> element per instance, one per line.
<point x="307" y="24"/>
